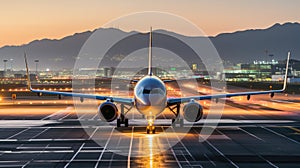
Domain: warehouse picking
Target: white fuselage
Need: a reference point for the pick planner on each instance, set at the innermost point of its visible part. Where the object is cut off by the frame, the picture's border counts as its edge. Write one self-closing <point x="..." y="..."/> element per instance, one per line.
<point x="150" y="96"/>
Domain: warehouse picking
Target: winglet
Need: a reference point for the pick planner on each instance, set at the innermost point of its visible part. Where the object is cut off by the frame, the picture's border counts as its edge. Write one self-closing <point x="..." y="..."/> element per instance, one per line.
<point x="286" y="71"/>
<point x="150" y="73"/>
<point x="27" y="73"/>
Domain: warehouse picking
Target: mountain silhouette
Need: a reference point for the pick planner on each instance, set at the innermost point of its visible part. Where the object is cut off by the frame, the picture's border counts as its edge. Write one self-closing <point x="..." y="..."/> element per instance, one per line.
<point x="237" y="47"/>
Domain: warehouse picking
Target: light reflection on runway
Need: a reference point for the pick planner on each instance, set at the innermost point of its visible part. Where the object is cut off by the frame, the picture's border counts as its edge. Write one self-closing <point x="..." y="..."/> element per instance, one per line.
<point x="262" y="132"/>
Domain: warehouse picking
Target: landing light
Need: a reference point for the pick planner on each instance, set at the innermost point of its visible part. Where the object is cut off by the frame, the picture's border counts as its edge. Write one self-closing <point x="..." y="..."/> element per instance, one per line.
<point x="150" y="121"/>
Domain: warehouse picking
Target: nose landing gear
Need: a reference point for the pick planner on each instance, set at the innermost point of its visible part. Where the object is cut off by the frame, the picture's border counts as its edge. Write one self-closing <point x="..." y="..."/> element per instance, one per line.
<point x="150" y="129"/>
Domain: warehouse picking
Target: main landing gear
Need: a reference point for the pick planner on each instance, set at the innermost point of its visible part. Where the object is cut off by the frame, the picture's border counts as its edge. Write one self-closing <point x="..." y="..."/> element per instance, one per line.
<point x="122" y="119"/>
<point x="176" y="111"/>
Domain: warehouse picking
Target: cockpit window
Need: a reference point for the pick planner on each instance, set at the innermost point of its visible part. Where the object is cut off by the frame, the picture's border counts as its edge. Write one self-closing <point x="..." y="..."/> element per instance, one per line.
<point x="146" y="91"/>
<point x="156" y="91"/>
<point x="153" y="91"/>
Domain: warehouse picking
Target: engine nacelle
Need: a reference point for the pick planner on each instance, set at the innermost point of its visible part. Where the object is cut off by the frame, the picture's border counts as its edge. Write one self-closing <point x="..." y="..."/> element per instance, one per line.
<point x="192" y="111"/>
<point x="108" y="111"/>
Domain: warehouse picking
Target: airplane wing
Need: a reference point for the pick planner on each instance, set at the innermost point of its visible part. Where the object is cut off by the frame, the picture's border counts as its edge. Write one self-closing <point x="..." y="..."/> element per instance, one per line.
<point x="82" y="96"/>
<point x="228" y="95"/>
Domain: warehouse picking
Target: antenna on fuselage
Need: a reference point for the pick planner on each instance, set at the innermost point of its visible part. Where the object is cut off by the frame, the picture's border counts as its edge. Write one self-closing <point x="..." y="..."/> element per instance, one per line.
<point x="150" y="54"/>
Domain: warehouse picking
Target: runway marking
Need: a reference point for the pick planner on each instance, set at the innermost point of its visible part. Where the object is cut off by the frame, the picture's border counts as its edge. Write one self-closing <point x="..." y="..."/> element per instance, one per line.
<point x="81" y="117"/>
<point x="282" y="101"/>
<point x="59" y="113"/>
<point x="177" y="161"/>
<point x="252" y="150"/>
<point x="212" y="162"/>
<point x="180" y="141"/>
<point x="186" y="151"/>
<point x="281" y="135"/>
<point x="270" y="163"/>
<point x="34" y="152"/>
<point x="293" y="128"/>
<point x="215" y="148"/>
<point x="224" y="156"/>
<point x="96" y="115"/>
<point x="130" y="147"/>
<point x="24" y="143"/>
<point x="251" y="134"/>
<point x="39" y="133"/>
<point x="79" y="150"/>
<point x="280" y="104"/>
<point x="47" y="147"/>
<point x="18" y="133"/>
<point x="104" y="148"/>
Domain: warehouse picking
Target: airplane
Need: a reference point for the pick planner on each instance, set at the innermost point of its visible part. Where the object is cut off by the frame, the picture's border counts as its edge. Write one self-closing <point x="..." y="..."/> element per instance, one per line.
<point x="150" y="99"/>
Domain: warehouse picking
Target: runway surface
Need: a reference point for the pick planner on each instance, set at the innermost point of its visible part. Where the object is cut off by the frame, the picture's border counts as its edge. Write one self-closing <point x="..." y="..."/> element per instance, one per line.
<point x="262" y="132"/>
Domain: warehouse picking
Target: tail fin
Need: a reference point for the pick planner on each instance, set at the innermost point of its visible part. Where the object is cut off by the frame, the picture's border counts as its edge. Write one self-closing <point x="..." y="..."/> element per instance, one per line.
<point x="150" y="73"/>
<point x="27" y="73"/>
<point x="286" y="71"/>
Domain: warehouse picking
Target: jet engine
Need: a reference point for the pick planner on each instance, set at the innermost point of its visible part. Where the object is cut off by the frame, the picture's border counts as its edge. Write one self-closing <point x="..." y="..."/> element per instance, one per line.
<point x="192" y="111"/>
<point x="108" y="111"/>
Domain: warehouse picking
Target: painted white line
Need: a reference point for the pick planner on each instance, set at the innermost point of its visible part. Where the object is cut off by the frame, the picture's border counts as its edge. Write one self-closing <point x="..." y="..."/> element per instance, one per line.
<point x="177" y="161"/>
<point x="60" y="113"/>
<point x="271" y="163"/>
<point x="74" y="155"/>
<point x="250" y="134"/>
<point x="104" y="148"/>
<point x="180" y="141"/>
<point x="40" y="133"/>
<point x="96" y="115"/>
<point x="18" y="133"/>
<point x="281" y="104"/>
<point x="49" y="147"/>
<point x="281" y="101"/>
<point x="130" y="148"/>
<point x="216" y="149"/>
<point x="280" y="135"/>
<point x="212" y="162"/>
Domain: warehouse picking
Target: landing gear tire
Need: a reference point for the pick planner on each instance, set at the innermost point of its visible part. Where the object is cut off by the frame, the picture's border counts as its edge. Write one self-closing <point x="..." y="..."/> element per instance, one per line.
<point x="118" y="122"/>
<point x="150" y="130"/>
<point x="126" y="122"/>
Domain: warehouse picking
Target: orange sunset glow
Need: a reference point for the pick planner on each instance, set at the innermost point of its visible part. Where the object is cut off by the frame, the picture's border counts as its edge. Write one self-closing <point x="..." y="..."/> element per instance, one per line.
<point x="28" y="20"/>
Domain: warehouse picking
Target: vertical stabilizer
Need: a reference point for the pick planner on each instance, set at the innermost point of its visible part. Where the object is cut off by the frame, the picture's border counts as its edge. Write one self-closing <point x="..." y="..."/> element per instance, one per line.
<point x="150" y="54"/>
<point x="27" y="73"/>
<point x="286" y="71"/>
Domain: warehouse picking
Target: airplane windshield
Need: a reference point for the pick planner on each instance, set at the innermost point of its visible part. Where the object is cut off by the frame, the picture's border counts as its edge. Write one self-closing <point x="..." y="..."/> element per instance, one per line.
<point x="146" y="91"/>
<point x="153" y="91"/>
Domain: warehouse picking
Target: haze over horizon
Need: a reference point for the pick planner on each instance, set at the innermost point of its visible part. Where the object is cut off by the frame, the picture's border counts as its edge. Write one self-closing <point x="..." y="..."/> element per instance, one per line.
<point x="28" y="20"/>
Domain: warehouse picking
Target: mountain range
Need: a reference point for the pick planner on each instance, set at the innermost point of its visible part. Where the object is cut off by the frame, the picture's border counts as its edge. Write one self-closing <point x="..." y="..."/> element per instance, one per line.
<point x="237" y="47"/>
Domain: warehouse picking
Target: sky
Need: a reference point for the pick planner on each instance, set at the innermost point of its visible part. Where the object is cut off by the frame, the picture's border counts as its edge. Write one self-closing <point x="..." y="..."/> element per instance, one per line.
<point x="22" y="21"/>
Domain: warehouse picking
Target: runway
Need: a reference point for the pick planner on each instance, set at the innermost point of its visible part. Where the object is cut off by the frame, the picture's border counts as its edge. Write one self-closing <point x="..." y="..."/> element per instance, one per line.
<point x="262" y="132"/>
